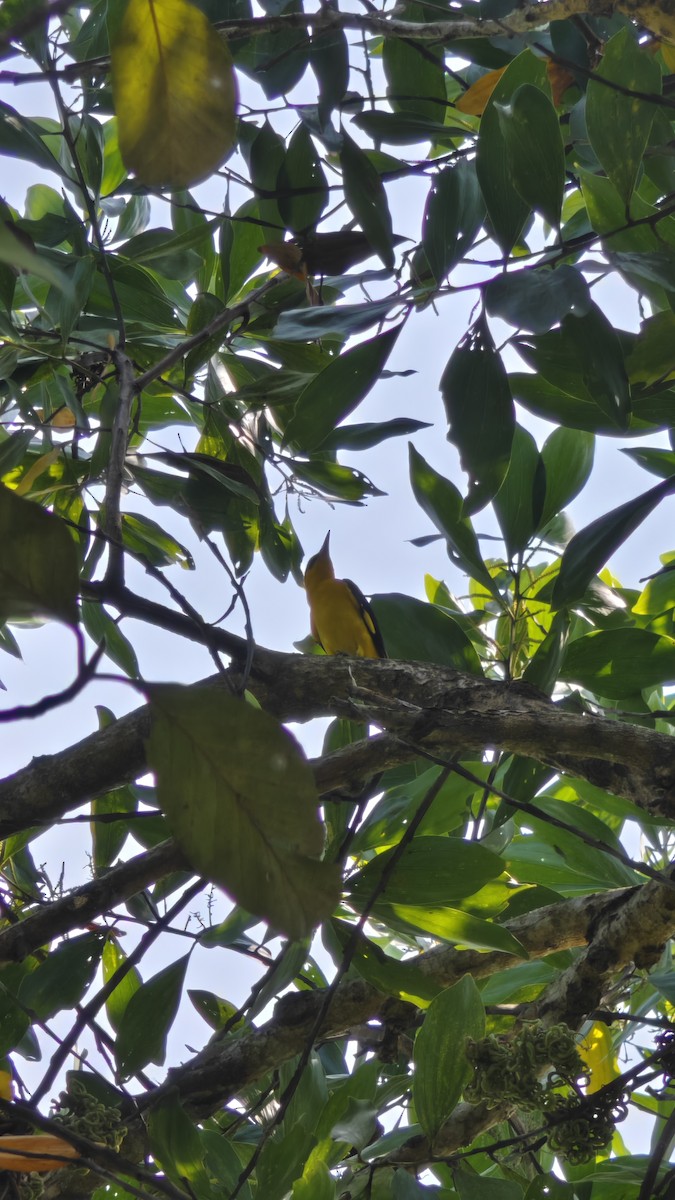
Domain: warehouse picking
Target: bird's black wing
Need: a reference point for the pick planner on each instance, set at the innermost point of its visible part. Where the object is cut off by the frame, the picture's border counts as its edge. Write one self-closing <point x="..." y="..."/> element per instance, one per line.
<point x="369" y="617"/>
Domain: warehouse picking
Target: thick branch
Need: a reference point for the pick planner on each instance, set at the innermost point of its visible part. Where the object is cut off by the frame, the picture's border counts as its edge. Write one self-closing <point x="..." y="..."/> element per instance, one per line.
<point x="86" y="903"/>
<point x="222" y="1069"/>
<point x="423" y="706"/>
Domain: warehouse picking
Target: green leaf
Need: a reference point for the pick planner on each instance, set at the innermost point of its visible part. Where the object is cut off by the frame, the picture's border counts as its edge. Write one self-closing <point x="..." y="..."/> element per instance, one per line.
<point x="367" y="199"/>
<point x="506" y="208"/>
<point x="39" y="570"/>
<point x="175" y="93"/>
<point x="329" y="58"/>
<point x="619" y="662"/>
<point x="441" y="501"/>
<point x="23" y="138"/>
<point x="147" y="1019"/>
<point x="431" y="871"/>
<point x="567" y="455"/>
<point x="62" y="979"/>
<point x="116" y="1004"/>
<point x="618" y="122"/>
<point x="337" y="390"/>
<point x="283" y="1159"/>
<point x="302" y="324"/>
<point x="315" y="1183"/>
<point x="534" y="150"/>
<point x="102" y="628"/>
<point x="384" y="972"/>
<point x="20" y="254"/>
<point x="590" y="549"/>
<point x="370" y="433"/>
<point x="478" y="1187"/>
<point x="407" y="60"/>
<point x="421" y="632"/>
<point x="218" y="1013"/>
<point x="241" y="800"/>
<point x="453" y="215"/>
<point x="538" y="298"/>
<point x="480" y="413"/>
<point x="176" y="1144"/>
<point x="518" y="503"/>
<point x="457" y="927"/>
<point x="303" y="192"/>
<point x="441" y="1066"/>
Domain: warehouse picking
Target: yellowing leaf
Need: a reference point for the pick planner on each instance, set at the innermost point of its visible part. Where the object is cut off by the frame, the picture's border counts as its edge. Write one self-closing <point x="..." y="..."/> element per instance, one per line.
<point x="476" y="97"/>
<point x="31" y="1152"/>
<point x="597" y="1053"/>
<point x="43" y="462"/>
<point x="175" y="93"/>
<point x="668" y="55"/>
<point x="241" y="801"/>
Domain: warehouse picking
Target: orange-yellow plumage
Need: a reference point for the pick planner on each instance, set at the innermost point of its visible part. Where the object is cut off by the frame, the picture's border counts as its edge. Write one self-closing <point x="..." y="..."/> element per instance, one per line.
<point x="342" y="620"/>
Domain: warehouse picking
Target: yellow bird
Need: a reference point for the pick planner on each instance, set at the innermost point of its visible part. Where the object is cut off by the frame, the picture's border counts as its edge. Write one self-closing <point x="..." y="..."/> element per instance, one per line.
<point x="342" y="620"/>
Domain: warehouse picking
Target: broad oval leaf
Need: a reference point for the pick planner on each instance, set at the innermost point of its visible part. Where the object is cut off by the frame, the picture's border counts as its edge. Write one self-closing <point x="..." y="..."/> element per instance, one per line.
<point x="39" y="574"/>
<point x="241" y="800"/>
<point x="442" y="1069"/>
<point x="424" y="633"/>
<point x="619" y="662"/>
<point x="145" y="1022"/>
<point x="175" y="93"/>
<point x="481" y="415"/>
<point x="534" y="150"/>
<point x="537" y="298"/>
<point x="506" y="208"/>
<point x="431" y="871"/>
<point x="618" y="121"/>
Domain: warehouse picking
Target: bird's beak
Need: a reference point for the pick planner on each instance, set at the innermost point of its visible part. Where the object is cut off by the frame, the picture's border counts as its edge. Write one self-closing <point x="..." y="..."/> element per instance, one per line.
<point x="325" y="549"/>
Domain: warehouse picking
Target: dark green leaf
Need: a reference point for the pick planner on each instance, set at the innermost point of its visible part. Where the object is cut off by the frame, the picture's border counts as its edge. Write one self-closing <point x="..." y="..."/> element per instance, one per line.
<point x="480" y="414"/>
<point x="301" y="324"/>
<point x="432" y="871"/>
<point x="619" y="122"/>
<point x="537" y="299"/>
<point x="441" y="1066"/>
<point x="147" y="1019"/>
<point x="414" y="72"/>
<point x="370" y="433"/>
<point x="453" y="215"/>
<point x="567" y="456"/>
<point x="301" y="183"/>
<point x="519" y="501"/>
<point x="590" y="549"/>
<point x="367" y="199"/>
<point x="241" y="799"/>
<point x="62" y="979"/>
<point x="329" y="57"/>
<point x="619" y="662"/>
<point x="176" y="1144"/>
<point x="39" y="566"/>
<point x="423" y="633"/>
<point x="534" y="150"/>
<point x="507" y="210"/>
<point x="337" y="390"/>
<point x="441" y="501"/>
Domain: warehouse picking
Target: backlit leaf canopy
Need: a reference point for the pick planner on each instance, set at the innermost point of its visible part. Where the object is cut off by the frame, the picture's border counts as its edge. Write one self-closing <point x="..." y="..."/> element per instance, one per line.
<point x="303" y="927"/>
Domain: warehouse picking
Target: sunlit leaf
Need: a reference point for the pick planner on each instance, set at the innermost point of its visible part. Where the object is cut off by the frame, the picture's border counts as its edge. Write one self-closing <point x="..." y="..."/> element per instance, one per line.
<point x="175" y="93"/>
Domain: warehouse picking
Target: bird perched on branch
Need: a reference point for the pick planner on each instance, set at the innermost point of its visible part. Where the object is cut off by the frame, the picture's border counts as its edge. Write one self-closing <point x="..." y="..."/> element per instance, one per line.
<point x="342" y="620"/>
